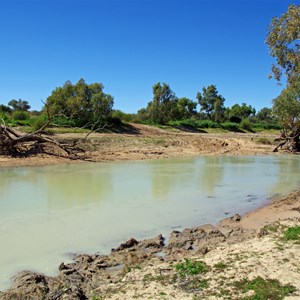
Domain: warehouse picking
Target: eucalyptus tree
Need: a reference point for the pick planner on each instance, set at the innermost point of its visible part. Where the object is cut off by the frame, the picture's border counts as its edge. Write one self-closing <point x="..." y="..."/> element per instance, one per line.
<point x="211" y="103"/>
<point x="283" y="41"/>
<point x="163" y="107"/>
<point x="19" y="105"/>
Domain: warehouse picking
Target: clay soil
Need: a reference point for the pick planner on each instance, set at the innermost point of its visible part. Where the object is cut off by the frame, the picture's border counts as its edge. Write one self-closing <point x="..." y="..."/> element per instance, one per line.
<point x="240" y="250"/>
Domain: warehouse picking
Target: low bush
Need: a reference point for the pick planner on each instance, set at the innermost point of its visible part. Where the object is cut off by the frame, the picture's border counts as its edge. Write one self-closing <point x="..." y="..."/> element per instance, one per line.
<point x="231" y="126"/>
<point x="38" y="122"/>
<point x="246" y="124"/>
<point x="20" y="115"/>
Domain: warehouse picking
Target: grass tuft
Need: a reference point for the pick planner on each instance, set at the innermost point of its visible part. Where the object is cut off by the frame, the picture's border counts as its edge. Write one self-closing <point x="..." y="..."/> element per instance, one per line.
<point x="191" y="267"/>
<point x="264" y="289"/>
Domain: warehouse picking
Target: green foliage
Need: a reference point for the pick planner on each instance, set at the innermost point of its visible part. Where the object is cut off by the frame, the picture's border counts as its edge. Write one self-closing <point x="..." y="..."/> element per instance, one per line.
<point x="265" y="115"/>
<point x="64" y="122"/>
<point x="283" y="42"/>
<point x="264" y="289"/>
<point x="230" y="126"/>
<point x="163" y="107"/>
<point x="292" y="233"/>
<point x="19" y="105"/>
<point x="5" y="109"/>
<point x="123" y="116"/>
<point x="241" y="111"/>
<point x="83" y="103"/>
<point x="196" y="124"/>
<point x="20" y="115"/>
<point x="287" y="109"/>
<point x="265" y="126"/>
<point x="37" y="122"/>
<point x="186" y="108"/>
<point x="191" y="267"/>
<point x="246" y="124"/>
<point x="207" y="124"/>
<point x="212" y="103"/>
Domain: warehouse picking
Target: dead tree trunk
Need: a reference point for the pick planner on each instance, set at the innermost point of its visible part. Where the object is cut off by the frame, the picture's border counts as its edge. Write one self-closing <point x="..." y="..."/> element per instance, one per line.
<point x="15" y="144"/>
<point x="290" y="140"/>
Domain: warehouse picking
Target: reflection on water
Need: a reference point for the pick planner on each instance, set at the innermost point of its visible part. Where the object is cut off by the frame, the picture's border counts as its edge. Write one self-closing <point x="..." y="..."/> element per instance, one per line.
<point x="50" y="211"/>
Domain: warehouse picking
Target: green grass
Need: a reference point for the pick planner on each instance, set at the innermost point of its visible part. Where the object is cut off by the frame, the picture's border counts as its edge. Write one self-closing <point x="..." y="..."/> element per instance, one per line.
<point x="191" y="267"/>
<point x="264" y="289"/>
<point x="292" y="233"/>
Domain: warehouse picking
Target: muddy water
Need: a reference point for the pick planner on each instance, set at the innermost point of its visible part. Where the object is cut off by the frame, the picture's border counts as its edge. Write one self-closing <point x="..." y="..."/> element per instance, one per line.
<point x="48" y="213"/>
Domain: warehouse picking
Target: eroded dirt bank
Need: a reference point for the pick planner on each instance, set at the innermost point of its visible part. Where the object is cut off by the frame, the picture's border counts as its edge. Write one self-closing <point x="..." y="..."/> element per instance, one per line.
<point x="146" y="142"/>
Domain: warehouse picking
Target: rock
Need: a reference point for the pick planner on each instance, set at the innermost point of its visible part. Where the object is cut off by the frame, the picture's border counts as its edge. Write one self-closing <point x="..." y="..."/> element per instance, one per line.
<point x="28" y="285"/>
<point x="236" y="218"/>
<point x="129" y="244"/>
<point x="156" y="242"/>
<point x="196" y="238"/>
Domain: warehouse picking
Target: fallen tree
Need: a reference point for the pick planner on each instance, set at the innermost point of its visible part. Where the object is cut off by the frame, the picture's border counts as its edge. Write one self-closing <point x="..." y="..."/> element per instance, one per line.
<point x="14" y="143"/>
<point x="17" y="144"/>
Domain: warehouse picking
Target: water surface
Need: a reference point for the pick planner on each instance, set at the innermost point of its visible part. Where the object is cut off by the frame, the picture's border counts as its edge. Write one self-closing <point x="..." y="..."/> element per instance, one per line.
<point x="48" y="213"/>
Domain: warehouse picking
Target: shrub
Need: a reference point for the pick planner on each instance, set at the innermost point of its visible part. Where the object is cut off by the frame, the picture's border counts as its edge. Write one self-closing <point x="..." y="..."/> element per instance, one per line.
<point x="207" y="124"/>
<point x="231" y="126"/>
<point x="38" y="122"/>
<point x="20" y="115"/>
<point x="246" y="124"/>
<point x="64" y="122"/>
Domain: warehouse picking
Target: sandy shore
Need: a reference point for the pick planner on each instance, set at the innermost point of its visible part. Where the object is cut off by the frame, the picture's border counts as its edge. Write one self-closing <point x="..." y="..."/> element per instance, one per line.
<point x="237" y="256"/>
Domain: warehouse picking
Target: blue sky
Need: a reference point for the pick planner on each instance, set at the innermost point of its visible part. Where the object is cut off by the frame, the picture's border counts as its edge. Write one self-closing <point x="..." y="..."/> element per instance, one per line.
<point x="129" y="45"/>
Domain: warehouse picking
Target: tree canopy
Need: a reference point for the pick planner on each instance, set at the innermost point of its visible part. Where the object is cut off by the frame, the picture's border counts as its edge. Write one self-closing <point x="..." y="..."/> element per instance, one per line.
<point x="84" y="103"/>
<point x="240" y="111"/>
<point x="19" y="105"/>
<point x="212" y="103"/>
<point x="163" y="104"/>
<point x="283" y="41"/>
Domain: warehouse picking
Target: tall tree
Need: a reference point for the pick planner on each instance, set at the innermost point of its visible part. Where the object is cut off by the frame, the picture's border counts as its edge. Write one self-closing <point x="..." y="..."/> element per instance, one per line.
<point x="283" y="41"/>
<point x="186" y="108"/>
<point x="82" y="102"/>
<point x="19" y="105"/>
<point x="163" y="107"/>
<point x="265" y="115"/>
<point x="211" y="103"/>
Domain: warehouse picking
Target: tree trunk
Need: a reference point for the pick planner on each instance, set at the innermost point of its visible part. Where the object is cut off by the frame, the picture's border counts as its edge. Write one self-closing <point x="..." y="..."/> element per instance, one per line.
<point x="13" y="143"/>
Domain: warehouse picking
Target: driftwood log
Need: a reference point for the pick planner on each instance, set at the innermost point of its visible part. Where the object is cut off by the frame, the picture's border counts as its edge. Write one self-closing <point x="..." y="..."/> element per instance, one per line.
<point x="14" y="143"/>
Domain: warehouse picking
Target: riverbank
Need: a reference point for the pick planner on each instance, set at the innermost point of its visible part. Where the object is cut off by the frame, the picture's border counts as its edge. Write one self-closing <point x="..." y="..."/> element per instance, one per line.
<point x="148" y="142"/>
<point x="226" y="261"/>
<point x="238" y="257"/>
